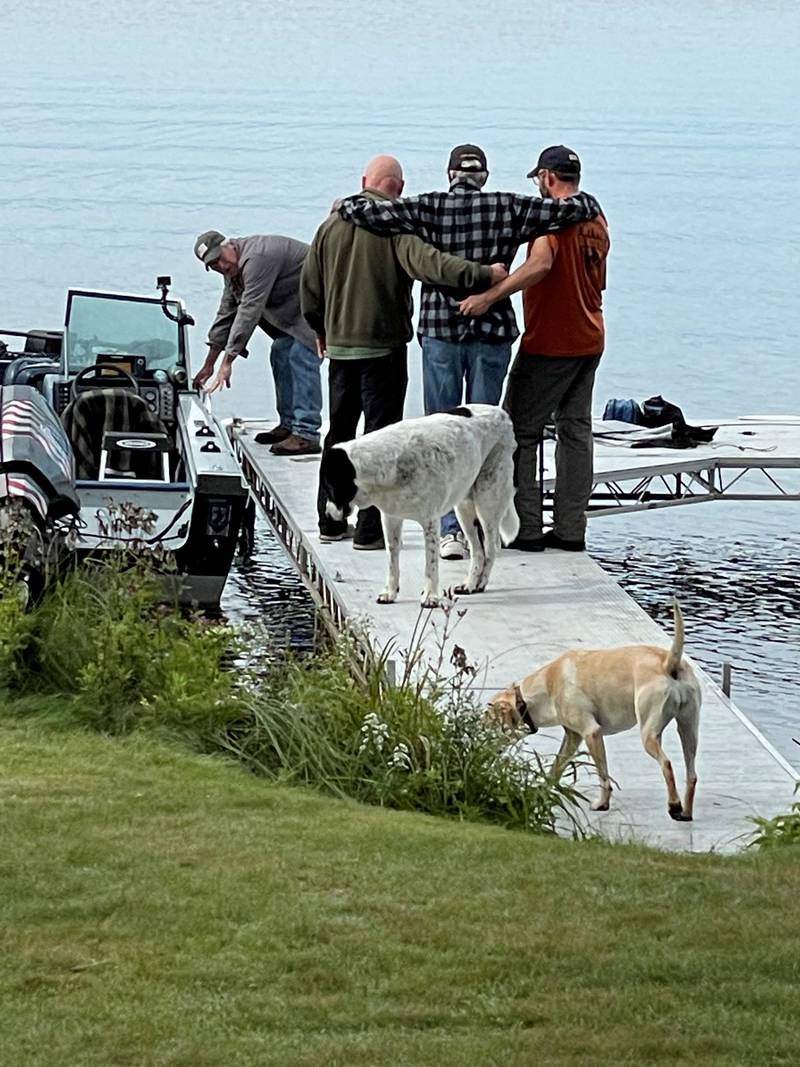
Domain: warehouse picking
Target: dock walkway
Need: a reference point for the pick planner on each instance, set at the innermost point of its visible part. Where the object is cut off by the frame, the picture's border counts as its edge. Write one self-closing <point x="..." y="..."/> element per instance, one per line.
<point x="536" y="607"/>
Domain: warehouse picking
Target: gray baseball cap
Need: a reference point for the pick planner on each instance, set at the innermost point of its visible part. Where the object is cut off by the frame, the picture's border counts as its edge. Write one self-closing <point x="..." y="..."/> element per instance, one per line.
<point x="208" y="247"/>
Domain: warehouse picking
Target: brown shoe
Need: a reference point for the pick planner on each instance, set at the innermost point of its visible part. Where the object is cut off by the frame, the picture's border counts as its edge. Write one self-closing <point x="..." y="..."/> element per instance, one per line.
<point x="271" y="437"/>
<point x="296" y="446"/>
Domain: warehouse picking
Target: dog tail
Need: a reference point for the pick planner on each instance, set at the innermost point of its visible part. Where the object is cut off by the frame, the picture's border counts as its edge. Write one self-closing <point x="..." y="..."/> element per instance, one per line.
<point x="676" y="652"/>
<point x="509" y="524"/>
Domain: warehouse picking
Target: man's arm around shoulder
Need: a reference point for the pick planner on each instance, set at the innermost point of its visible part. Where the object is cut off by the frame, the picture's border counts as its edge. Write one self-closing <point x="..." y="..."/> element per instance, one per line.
<point x="534" y="216"/>
<point x="388" y="218"/>
<point x="427" y="264"/>
<point x="535" y="268"/>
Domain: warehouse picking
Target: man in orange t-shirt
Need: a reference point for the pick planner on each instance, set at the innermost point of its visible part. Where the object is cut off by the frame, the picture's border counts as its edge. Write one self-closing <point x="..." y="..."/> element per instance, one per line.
<point x="552" y="376"/>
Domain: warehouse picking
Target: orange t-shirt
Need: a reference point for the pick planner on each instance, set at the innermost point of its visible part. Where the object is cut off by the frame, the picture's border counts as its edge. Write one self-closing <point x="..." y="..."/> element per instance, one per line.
<point x="564" y="312"/>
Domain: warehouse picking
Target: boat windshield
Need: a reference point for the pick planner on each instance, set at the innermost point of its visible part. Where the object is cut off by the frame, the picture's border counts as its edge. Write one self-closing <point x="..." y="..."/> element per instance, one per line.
<point x="101" y="324"/>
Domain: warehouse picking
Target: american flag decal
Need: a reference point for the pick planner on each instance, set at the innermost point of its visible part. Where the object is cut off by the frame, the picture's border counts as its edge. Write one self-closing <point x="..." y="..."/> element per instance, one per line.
<point x="20" y="418"/>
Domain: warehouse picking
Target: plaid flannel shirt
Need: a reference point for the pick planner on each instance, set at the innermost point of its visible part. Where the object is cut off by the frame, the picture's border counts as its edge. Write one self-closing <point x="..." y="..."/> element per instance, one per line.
<point x="484" y="227"/>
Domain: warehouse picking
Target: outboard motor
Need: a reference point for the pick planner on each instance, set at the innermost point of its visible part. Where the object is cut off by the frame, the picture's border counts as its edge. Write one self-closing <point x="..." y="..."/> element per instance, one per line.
<point x="37" y="482"/>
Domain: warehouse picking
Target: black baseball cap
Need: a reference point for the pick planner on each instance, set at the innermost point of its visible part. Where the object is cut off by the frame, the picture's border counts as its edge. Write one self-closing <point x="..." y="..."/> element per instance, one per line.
<point x="558" y="158"/>
<point x="467" y="157"/>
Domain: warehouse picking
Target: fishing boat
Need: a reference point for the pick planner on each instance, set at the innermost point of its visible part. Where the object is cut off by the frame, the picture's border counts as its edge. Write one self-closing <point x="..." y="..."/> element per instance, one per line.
<point x="105" y="445"/>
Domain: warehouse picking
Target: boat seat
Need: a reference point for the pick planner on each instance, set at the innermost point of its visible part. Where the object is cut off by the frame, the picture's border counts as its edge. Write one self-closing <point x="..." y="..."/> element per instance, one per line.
<point x="44" y="342"/>
<point x="93" y="418"/>
<point x="29" y="370"/>
<point x="116" y="442"/>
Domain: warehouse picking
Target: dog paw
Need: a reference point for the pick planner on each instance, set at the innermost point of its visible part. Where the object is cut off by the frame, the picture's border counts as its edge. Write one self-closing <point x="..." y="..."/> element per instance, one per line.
<point x="464" y="590"/>
<point x="429" y="602"/>
<point x="386" y="598"/>
<point x="600" y="805"/>
<point x="676" y="812"/>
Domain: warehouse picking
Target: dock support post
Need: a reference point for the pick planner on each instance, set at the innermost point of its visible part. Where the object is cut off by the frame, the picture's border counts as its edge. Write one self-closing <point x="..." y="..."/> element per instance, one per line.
<point x="726" y="678"/>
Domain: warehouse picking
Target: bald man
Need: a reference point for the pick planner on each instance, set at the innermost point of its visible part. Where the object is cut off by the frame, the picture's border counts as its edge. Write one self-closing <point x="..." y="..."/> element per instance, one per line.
<point x="467" y="354"/>
<point x="355" y="293"/>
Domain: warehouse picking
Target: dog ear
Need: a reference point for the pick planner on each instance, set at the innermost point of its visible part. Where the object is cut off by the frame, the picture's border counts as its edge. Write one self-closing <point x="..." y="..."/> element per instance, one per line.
<point x="338" y="478"/>
<point x="519" y="699"/>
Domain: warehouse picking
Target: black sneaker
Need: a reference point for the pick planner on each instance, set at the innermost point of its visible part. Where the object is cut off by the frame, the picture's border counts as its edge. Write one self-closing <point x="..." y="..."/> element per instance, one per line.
<point x="328" y="536"/>
<point x="526" y="544"/>
<point x="369" y="546"/>
<point x="552" y="540"/>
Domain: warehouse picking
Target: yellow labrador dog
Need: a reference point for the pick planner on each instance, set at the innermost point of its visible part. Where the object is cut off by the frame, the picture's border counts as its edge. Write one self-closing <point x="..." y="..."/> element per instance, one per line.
<point x="592" y="693"/>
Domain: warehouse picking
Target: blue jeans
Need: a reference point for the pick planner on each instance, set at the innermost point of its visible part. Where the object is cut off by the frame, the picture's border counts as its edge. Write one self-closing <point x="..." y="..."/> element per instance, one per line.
<point x="449" y="368"/>
<point x="298" y="392"/>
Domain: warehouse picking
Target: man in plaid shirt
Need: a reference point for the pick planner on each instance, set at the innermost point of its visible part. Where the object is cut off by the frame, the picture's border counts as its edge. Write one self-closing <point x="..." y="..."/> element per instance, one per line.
<point x="466" y="355"/>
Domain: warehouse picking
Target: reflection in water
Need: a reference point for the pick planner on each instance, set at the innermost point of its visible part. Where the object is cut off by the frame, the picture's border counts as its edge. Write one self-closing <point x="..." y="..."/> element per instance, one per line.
<point x="740" y="599"/>
<point x="266" y="589"/>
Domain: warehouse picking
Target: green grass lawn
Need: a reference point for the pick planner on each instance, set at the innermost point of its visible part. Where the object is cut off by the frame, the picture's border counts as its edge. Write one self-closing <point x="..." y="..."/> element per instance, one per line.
<point x="161" y="908"/>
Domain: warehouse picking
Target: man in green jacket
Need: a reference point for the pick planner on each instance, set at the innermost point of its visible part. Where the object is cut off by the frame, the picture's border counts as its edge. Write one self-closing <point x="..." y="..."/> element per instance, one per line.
<point x="355" y="293"/>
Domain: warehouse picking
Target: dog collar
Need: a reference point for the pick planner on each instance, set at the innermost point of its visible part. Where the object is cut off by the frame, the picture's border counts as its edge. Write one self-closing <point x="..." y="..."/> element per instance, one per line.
<point x="525" y="716"/>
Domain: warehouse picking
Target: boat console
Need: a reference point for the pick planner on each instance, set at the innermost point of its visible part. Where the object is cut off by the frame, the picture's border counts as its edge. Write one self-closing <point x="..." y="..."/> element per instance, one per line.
<point x="121" y="410"/>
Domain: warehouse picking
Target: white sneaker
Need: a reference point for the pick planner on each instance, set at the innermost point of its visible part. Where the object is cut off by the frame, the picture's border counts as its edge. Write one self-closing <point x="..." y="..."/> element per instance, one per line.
<point x="453" y="546"/>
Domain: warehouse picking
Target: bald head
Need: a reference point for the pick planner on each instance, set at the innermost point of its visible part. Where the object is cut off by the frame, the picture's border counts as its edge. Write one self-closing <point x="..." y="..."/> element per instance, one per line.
<point x="384" y="173"/>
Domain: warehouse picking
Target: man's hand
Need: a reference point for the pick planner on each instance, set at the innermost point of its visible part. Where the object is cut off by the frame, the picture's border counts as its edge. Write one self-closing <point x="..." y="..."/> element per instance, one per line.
<point x="476" y="305"/>
<point x="322" y="348"/>
<point x="223" y="377"/>
<point x="205" y="372"/>
<point x="499" y="272"/>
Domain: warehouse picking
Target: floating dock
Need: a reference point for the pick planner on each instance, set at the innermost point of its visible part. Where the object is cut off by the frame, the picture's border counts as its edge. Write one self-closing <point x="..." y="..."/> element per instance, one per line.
<point x="539" y="605"/>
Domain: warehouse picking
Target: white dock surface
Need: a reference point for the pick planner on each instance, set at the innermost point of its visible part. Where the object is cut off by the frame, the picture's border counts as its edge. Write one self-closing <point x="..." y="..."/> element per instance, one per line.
<point x="537" y="606"/>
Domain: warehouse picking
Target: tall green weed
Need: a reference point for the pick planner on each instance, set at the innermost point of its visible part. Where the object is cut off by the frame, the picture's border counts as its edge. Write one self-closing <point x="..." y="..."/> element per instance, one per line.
<point x="780" y="831"/>
<point x="103" y="637"/>
<point x="421" y="745"/>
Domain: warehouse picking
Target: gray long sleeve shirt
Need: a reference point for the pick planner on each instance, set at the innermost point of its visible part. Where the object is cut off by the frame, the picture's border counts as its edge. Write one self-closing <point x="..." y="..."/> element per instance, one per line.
<point x="264" y="292"/>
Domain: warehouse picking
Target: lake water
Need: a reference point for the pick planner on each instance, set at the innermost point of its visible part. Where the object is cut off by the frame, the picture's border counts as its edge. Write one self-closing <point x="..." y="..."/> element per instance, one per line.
<point x="129" y="129"/>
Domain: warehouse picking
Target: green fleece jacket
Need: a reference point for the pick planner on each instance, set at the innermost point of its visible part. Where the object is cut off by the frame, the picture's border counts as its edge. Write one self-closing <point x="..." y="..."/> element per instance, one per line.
<point x="355" y="288"/>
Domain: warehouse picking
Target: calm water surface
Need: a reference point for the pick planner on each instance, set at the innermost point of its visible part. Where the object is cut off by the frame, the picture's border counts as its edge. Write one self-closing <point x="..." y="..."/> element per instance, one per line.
<point x="126" y="135"/>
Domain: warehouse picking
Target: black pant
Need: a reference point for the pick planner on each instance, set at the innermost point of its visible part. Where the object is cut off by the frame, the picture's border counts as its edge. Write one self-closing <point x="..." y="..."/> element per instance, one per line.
<point x="375" y="388"/>
<point x="540" y="388"/>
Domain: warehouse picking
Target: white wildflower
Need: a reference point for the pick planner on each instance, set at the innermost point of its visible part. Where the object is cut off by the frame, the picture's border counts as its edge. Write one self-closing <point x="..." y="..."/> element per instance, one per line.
<point x="400" y="758"/>
<point x="374" y="732"/>
<point x="516" y="767"/>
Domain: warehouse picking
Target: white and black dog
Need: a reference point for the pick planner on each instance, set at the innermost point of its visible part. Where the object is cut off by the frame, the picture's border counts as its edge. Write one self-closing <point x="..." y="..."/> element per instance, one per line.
<point x="422" y="468"/>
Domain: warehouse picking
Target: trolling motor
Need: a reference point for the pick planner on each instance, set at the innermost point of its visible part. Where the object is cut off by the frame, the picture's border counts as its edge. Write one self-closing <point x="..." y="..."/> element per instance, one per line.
<point x="163" y="282"/>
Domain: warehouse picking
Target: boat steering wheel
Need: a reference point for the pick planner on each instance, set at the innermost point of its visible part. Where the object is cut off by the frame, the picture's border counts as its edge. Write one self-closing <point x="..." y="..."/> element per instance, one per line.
<point x="105" y="376"/>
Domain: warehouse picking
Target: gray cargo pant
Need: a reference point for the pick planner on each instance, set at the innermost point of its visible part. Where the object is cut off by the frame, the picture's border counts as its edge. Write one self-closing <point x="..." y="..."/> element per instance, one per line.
<point x="540" y="388"/>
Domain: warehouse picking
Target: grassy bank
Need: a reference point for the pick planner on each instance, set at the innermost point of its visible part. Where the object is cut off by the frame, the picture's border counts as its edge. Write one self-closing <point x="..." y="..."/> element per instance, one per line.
<point x="164" y="908"/>
<point x="101" y="650"/>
